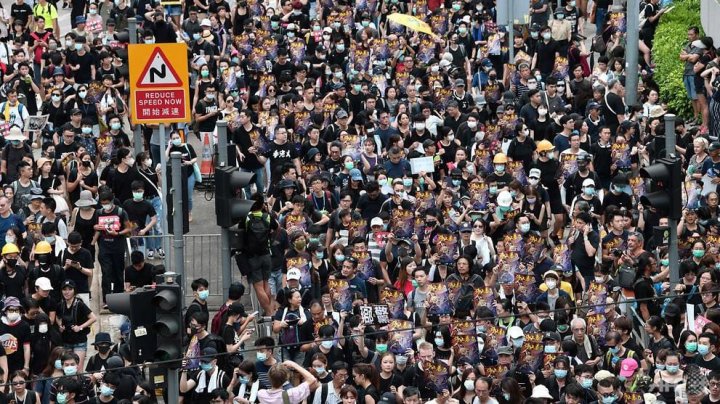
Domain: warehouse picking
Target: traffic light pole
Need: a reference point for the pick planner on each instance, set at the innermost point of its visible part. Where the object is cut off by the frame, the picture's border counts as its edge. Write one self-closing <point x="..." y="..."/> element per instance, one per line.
<point x="224" y="232"/>
<point x="173" y="385"/>
<point x="177" y="215"/>
<point x="633" y="40"/>
<point x="137" y="132"/>
<point x="673" y="254"/>
<point x="164" y="194"/>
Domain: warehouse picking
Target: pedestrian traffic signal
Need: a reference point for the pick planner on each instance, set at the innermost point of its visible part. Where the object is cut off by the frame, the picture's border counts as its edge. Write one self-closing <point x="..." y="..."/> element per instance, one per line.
<point x="134" y="305"/>
<point x="168" y="322"/>
<point x="666" y="177"/>
<point x="230" y="205"/>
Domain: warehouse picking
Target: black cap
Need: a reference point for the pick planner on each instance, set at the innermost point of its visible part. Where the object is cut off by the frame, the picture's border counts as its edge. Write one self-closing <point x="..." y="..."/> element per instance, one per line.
<point x="68" y="283"/>
<point x="551" y="335"/>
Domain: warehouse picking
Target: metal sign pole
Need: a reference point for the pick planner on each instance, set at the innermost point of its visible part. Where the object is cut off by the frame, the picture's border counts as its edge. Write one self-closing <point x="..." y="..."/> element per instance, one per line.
<point x="177" y="214"/>
<point x="137" y="132"/>
<point x="225" y="262"/>
<point x="633" y="38"/>
<point x="673" y="254"/>
<point x="164" y="185"/>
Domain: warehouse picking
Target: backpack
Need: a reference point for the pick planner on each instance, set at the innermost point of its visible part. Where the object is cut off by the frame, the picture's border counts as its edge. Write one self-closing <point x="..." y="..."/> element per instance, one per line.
<point x="217" y="320"/>
<point x="598" y="44"/>
<point x="626" y="277"/>
<point x="643" y="19"/>
<point x="221" y="349"/>
<point x="257" y="234"/>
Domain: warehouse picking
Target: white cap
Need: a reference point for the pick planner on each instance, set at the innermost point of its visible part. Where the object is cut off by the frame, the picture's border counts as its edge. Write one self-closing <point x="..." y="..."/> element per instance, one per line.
<point x="504" y="199"/>
<point x="376" y="221"/>
<point x="540" y="391"/>
<point x="588" y="182"/>
<point x="515" y="332"/>
<point x="535" y="172"/>
<point x="293" y="273"/>
<point x="15" y="134"/>
<point x="205" y="22"/>
<point x="43" y="283"/>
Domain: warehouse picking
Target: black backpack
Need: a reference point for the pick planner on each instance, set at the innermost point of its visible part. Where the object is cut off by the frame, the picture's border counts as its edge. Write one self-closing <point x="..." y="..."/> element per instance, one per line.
<point x="257" y="234"/>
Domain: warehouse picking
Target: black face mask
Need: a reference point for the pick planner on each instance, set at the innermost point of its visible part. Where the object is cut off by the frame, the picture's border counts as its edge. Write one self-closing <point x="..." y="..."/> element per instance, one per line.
<point x="86" y="163"/>
<point x="11" y="262"/>
<point x="431" y="223"/>
<point x="43" y="259"/>
<point x="103" y="349"/>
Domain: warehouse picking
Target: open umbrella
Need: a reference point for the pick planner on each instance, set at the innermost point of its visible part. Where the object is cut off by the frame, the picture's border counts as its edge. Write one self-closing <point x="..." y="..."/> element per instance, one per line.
<point x="411" y="22"/>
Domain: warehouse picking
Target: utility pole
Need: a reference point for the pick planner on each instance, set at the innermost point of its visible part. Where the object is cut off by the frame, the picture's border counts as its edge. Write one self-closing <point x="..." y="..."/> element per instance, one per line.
<point x="631" y="53"/>
<point x="511" y="30"/>
<point x="137" y="132"/>
<point x="673" y="254"/>
<point x="222" y="145"/>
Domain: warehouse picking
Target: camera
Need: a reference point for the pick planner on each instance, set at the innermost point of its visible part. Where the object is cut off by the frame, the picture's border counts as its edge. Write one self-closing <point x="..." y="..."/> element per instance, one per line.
<point x="616" y="252"/>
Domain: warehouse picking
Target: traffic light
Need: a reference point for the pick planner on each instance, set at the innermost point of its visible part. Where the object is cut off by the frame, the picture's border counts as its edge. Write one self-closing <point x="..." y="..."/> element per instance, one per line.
<point x="134" y="306"/>
<point x="230" y="206"/>
<point x="666" y="177"/>
<point x="168" y="322"/>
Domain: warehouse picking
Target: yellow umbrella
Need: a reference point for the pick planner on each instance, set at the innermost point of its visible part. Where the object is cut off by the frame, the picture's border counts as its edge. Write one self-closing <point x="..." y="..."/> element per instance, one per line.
<point x="411" y="22"/>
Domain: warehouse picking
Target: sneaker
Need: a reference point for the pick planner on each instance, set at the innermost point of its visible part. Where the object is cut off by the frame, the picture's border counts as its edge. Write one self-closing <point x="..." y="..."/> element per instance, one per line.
<point x="161" y="253"/>
<point x="150" y="254"/>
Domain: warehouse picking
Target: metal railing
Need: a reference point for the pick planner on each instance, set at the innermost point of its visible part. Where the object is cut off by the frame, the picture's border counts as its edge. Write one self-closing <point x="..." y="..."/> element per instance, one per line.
<point x="202" y="260"/>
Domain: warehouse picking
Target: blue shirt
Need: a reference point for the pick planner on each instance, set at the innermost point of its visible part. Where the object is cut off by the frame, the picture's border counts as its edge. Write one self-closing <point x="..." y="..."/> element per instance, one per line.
<point x="7" y="222"/>
<point x="397" y="170"/>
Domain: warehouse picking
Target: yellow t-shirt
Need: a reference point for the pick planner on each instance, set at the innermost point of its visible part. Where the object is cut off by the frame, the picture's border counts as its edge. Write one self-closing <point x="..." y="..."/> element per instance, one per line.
<point x="48" y="12"/>
<point x="564" y="286"/>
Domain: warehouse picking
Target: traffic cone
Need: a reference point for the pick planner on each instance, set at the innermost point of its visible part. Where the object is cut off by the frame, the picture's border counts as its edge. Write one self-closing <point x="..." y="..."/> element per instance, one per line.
<point x="206" y="166"/>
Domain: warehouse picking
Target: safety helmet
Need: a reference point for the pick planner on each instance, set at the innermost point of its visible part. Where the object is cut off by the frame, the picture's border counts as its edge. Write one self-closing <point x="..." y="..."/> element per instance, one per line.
<point x="500" y="158"/>
<point x="43" y="247"/>
<point x="10" y="248"/>
<point x="544" y="145"/>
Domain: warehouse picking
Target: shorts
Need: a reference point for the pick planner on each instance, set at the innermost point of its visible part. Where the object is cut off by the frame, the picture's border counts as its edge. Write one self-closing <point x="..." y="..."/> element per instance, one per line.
<point x="81" y="346"/>
<point x="689" y="83"/>
<point x="556" y="205"/>
<point x="174" y="10"/>
<point x="259" y="268"/>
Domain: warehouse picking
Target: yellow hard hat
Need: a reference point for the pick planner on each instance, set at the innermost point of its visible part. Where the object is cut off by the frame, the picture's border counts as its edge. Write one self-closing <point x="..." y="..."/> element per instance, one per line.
<point x="43" y="247"/>
<point x="500" y="158"/>
<point x="544" y="145"/>
<point x="10" y="248"/>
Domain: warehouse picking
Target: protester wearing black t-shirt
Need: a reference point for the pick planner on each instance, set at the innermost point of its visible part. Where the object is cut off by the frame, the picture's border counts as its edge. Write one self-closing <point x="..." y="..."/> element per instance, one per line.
<point x="139" y="273"/>
<point x="16" y="336"/>
<point x="77" y="262"/>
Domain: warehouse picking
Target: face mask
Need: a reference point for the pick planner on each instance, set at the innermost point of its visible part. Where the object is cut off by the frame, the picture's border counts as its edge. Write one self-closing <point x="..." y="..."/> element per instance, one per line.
<point x="291" y="34"/>
<point x="531" y="200"/>
<point x="451" y="138"/>
<point x="327" y="344"/>
<point x="414" y="283"/>
<point x="340" y="48"/>
<point x="608" y="400"/>
<point x="469" y="385"/>
<point x="339" y="258"/>
<point x="338" y="75"/>
<point x="61" y="398"/>
<point x="381" y="348"/>
<point x="672" y="369"/>
<point x="244" y="380"/>
<point x="547" y="36"/>
<point x="614" y="350"/>
<point x="11" y="262"/>
<point x="58" y="364"/>
<point x="56" y="98"/>
<point x="350" y="165"/>
<point x="560" y="16"/>
<point x="560" y="373"/>
<point x="439" y="342"/>
<point x="203" y="295"/>
<point x="492" y="190"/>
<point x="13" y="317"/>
<point x="420" y="126"/>
<point x="103" y="349"/>
<point x="518" y="342"/>
<point x="150" y="41"/>
<point x="69" y="43"/>
<point x="525" y="227"/>
<point x="176" y="142"/>
<point x="206" y="366"/>
<point x="320" y="370"/>
<point x="70" y="370"/>
<point x="106" y="391"/>
<point x="462" y="30"/>
<point x="550" y="349"/>
<point x="407" y="182"/>
<point x="456" y="183"/>
<point x="382" y="182"/>
<point x="401" y="360"/>
<point x="86" y="131"/>
<point x="500" y="168"/>
<point x="599" y="279"/>
<point x="78" y="46"/>
<point x="299" y="244"/>
<point x="130" y="161"/>
<point x="572" y="3"/>
<point x="138" y="196"/>
<point x="261" y="356"/>
<point x="115" y="126"/>
<point x="665" y="262"/>
<point x="691" y="346"/>
<point x="82" y="94"/>
<point x="587" y="383"/>
<point x="698" y="253"/>
<point x="43" y="328"/>
<point x="50" y="239"/>
<point x="357" y="87"/>
<point x="534" y="35"/>
<point x="538" y="77"/>
<point x="506" y="396"/>
<point x="319" y="255"/>
<point x="551" y="284"/>
<point x="210" y="96"/>
<point x="703" y="349"/>
<point x="589" y="191"/>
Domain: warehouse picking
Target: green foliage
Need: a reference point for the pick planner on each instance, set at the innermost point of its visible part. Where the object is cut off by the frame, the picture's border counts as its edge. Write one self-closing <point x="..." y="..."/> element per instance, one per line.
<point x="670" y="38"/>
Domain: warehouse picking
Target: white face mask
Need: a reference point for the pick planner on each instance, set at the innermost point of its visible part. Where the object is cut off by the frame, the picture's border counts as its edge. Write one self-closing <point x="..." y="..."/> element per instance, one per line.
<point x="472" y="124"/>
<point x="43" y="328"/>
<point x="469" y="385"/>
<point x="13" y="317"/>
<point x="551" y="284"/>
<point x="148" y="162"/>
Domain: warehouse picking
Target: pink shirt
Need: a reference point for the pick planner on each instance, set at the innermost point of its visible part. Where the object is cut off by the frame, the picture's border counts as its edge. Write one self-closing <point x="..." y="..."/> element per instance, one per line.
<point x="274" y="396"/>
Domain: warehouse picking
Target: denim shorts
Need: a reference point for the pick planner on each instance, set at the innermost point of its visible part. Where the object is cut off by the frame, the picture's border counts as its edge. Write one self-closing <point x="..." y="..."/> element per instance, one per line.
<point x="689" y="83"/>
<point x="82" y="346"/>
<point x="174" y="10"/>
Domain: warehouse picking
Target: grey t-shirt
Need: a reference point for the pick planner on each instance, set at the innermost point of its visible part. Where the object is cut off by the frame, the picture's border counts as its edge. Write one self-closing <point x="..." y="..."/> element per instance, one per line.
<point x="688" y="68"/>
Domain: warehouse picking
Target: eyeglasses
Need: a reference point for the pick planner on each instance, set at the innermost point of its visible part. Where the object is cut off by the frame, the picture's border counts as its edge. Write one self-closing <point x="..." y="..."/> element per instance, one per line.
<point x="478" y="226"/>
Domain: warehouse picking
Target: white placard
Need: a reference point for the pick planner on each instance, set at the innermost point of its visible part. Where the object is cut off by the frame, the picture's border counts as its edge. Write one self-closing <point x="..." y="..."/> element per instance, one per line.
<point x="419" y="164"/>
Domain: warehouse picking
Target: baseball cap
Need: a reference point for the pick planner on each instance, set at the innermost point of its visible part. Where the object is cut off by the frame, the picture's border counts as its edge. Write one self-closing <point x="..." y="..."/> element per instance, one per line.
<point x="506" y="278"/>
<point x="376" y="221"/>
<point x="551" y="335"/>
<point x="593" y="105"/>
<point x="588" y="182"/>
<point x="459" y="83"/>
<point x="43" y="283"/>
<point x="714" y="146"/>
<point x="387" y="398"/>
<point x="293" y="273"/>
<point x="356" y="175"/>
<point x="68" y="283"/>
<point x="205" y="22"/>
<point x="341" y="114"/>
<point x="505" y="350"/>
<point x="603" y="374"/>
<point x="465" y="227"/>
<point x="515" y="332"/>
<point x="628" y="367"/>
<point x="535" y="172"/>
